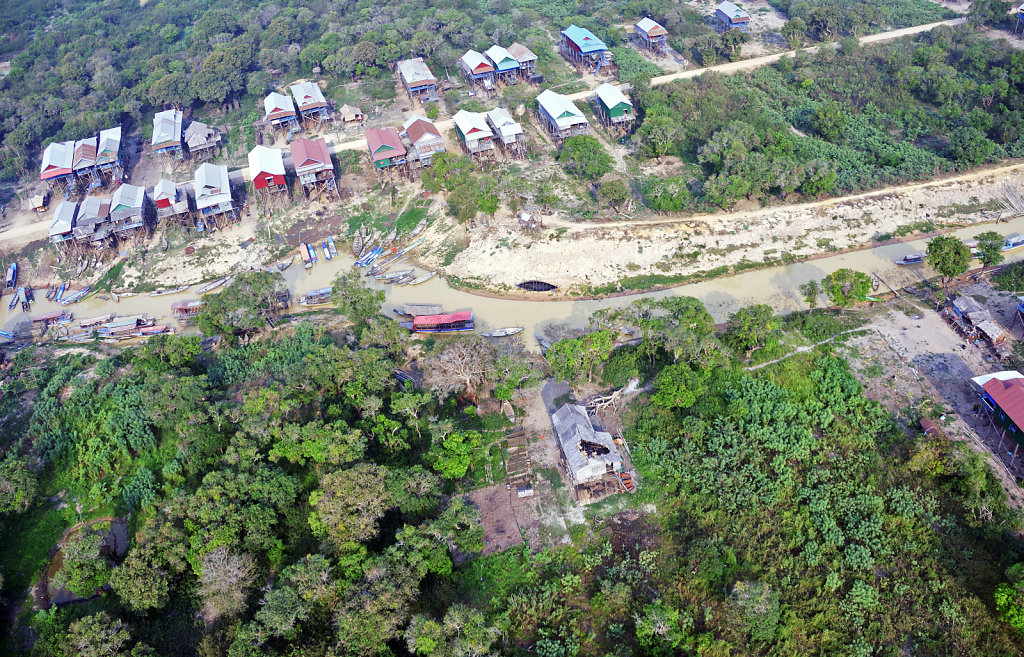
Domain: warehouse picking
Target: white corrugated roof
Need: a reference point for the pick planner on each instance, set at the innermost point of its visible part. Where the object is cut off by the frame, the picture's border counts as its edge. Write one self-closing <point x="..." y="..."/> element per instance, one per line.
<point x="110" y="145"/>
<point x="503" y="122"/>
<point x="275" y="102"/>
<point x="211" y="185"/>
<point x="1006" y="375"/>
<point x="165" y="189"/>
<point x="127" y="196"/>
<point x="646" y="24"/>
<point x="572" y="425"/>
<point x="497" y="54"/>
<point x="560" y="108"/>
<point x="472" y="59"/>
<point x="307" y="93"/>
<point x="264" y="159"/>
<point x="415" y="70"/>
<point x="611" y="95"/>
<point x="472" y="125"/>
<point x="59" y="155"/>
<point x="63" y="218"/>
<point x="167" y="127"/>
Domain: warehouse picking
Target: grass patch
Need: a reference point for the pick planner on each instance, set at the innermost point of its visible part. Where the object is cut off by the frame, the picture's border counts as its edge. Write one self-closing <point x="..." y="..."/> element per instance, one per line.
<point x="24" y="559"/>
<point x="409" y="219"/>
<point x="1010" y="278"/>
<point x="112" y="276"/>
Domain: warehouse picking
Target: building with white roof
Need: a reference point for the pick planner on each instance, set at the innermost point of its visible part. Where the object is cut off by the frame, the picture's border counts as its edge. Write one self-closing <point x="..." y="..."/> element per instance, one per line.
<point x="509" y="132"/>
<point x="473" y="131"/>
<point x="560" y="116"/>
<point x="167" y="132"/>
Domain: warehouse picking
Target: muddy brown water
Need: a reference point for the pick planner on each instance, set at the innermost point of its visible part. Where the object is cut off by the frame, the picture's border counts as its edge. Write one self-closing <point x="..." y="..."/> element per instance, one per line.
<point x="777" y="286"/>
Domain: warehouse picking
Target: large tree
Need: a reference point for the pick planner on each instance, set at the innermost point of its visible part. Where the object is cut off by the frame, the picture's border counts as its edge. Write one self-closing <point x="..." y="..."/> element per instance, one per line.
<point x="990" y="248"/>
<point x="574" y="359"/>
<point x="245" y="306"/>
<point x="459" y="365"/>
<point x="225" y="581"/>
<point x="354" y="300"/>
<point x="349" y="503"/>
<point x="749" y="327"/>
<point x="846" y="287"/>
<point x="948" y="256"/>
<point x="85" y="567"/>
<point x="585" y="157"/>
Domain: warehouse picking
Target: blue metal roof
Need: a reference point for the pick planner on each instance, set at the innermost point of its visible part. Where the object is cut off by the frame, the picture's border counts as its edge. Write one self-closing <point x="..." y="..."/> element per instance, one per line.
<point x="584" y="38"/>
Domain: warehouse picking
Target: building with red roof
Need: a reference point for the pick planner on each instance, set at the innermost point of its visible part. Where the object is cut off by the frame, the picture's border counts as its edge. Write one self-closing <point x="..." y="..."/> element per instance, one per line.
<point x="386" y="149"/>
<point x="313" y="166"/>
<point x="1003" y="398"/>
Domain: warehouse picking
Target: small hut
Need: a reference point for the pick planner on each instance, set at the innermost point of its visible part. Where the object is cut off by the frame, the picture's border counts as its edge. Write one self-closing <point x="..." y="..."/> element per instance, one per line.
<point x="350" y="114"/>
<point x="39" y="202"/>
<point x="167" y="133"/>
<point x="203" y="141"/>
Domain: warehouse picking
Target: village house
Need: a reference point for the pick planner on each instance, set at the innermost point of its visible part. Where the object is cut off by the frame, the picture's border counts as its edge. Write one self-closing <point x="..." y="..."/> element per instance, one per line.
<point x="387" y="152"/>
<point x="509" y="132"/>
<point x="313" y="107"/>
<point x="313" y="166"/>
<point x="613" y="106"/>
<point x="417" y="79"/>
<point x="477" y="69"/>
<point x="213" y="194"/>
<point x="474" y="132"/>
<point x="651" y="36"/>
<point x="527" y="61"/>
<point x="266" y="169"/>
<point x="92" y="228"/>
<point x="108" y="156"/>
<point x="127" y="211"/>
<point x="83" y="164"/>
<point x="171" y="202"/>
<point x="591" y="458"/>
<point x="56" y="165"/>
<point x="202" y="141"/>
<point x="350" y="114"/>
<point x="279" y="112"/>
<point x="559" y="116"/>
<point x="424" y="138"/>
<point x="63" y="224"/>
<point x="505" y="65"/>
<point x="586" y="51"/>
<point x="1002" y="396"/>
<point x="167" y="133"/>
<point x="731" y="17"/>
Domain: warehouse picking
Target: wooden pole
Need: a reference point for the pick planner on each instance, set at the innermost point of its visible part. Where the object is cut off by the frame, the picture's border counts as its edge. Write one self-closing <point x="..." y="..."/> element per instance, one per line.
<point x="886" y="284"/>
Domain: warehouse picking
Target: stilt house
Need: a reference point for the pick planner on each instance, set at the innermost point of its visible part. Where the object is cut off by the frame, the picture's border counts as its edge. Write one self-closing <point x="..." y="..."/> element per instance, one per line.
<point x="167" y="133"/>
<point x="280" y="113"/>
<point x="266" y="169"/>
<point x="613" y="106"/>
<point x="202" y="141"/>
<point x="473" y="131"/>
<point x="509" y="132"/>
<point x="56" y="165"/>
<point x="560" y="116"/>
<point x="171" y="202"/>
<point x="313" y="166"/>
<point x="505" y="65"/>
<point x="127" y="210"/>
<point x="313" y="107"/>
<point x="417" y="79"/>
<point x="387" y="152"/>
<point x="213" y="193"/>
<point x="477" y="69"/>
<point x="651" y="36"/>
<point x="582" y="48"/>
<point x="424" y="138"/>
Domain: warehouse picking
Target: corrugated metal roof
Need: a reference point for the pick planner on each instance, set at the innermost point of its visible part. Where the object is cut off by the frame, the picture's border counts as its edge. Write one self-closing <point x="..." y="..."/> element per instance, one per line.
<point x="501" y="58"/>
<point x="560" y="108"/>
<point x="57" y="159"/>
<point x="263" y="159"/>
<point x="212" y="185"/>
<point x="165" y="189"/>
<point x="1005" y="375"/>
<point x="200" y="135"/>
<point x="472" y="125"/>
<point x="415" y="72"/>
<point x="572" y="425"/>
<point x="417" y="126"/>
<point x="732" y="11"/>
<point x="1009" y="396"/>
<point x="476" y="63"/>
<point x="85" y="153"/>
<point x="651" y="27"/>
<point x="94" y="207"/>
<point x="430" y="320"/>
<point x="127" y="196"/>
<point x="110" y="146"/>
<point x="276" y="106"/>
<point x="308" y="95"/>
<point x="63" y="218"/>
<point x="384" y="143"/>
<point x="503" y="123"/>
<point x="584" y="39"/>
<point x="310" y="155"/>
<point x="167" y="128"/>
<point x="611" y="96"/>
<point x="522" y="53"/>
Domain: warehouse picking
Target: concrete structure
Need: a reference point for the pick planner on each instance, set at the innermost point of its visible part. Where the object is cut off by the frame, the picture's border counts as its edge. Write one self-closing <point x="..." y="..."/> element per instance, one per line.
<point x="387" y="152"/>
<point x="477" y="69"/>
<point x="424" y="138"/>
<point x="509" y="132"/>
<point x="560" y="116"/>
<point x="167" y="133"/>
<point x="473" y="131"/>
<point x="279" y="112"/>
<point x="417" y="79"/>
<point x="590" y="458"/>
<point x="313" y="107"/>
<point x="56" y="165"/>
<point x="213" y="195"/>
<point x="313" y="166"/>
<point x="202" y="141"/>
<point x="731" y="17"/>
<point x="651" y="36"/>
<point x="582" y="48"/>
<point x="613" y="106"/>
<point x="506" y="66"/>
<point x="127" y="211"/>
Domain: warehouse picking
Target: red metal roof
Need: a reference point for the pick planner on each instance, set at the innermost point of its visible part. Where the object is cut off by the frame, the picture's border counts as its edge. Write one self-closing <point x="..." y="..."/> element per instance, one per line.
<point x="376" y="138"/>
<point x="419" y="127"/>
<point x="1009" y="396"/>
<point x="310" y="152"/>
<point x="450" y="318"/>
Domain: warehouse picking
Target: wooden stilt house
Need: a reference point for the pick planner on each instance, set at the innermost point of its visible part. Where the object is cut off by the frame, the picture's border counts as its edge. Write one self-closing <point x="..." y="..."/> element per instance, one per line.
<point x="506" y="67"/>
<point x="314" y="111"/>
<point x="651" y="36"/>
<point x="127" y="211"/>
<point x="63" y="225"/>
<point x="213" y="195"/>
<point x="108" y="155"/>
<point x="731" y="17"/>
<point x="387" y="152"/>
<point x="613" y="107"/>
<point x="167" y="133"/>
<point x="56" y="166"/>
<point x="474" y="133"/>
<point x="203" y="142"/>
<point x="313" y="166"/>
<point x="417" y="79"/>
<point x="477" y="69"/>
<point x="266" y="169"/>
<point x="279" y="112"/>
<point x="171" y="203"/>
<point x="424" y="138"/>
<point x="527" y="62"/>
<point x="509" y="133"/>
<point x="93" y="227"/>
<point x="559" y="116"/>
<point x="586" y="51"/>
<point x="83" y="165"/>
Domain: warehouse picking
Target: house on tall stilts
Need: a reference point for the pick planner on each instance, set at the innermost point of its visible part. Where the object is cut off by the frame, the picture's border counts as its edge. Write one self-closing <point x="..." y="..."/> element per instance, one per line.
<point x="559" y="116"/>
<point x="56" y="166"/>
<point x="213" y="195"/>
<point x="586" y="51"/>
<point x="171" y="203"/>
<point x="510" y="136"/>
<point x="93" y="227"/>
<point x="203" y="142"/>
<point x="167" y="133"/>
<point x="649" y="35"/>
<point x="387" y="152"/>
<point x="266" y="168"/>
<point x="506" y="67"/>
<point x="731" y="17"/>
<point x="83" y="165"/>
<point x="417" y="79"/>
<point x="527" y="62"/>
<point x="314" y="111"/>
<point x="63" y="225"/>
<point x="313" y="166"/>
<point x="615" y="110"/>
<point x="108" y="155"/>
<point x="424" y="138"/>
<point x="474" y="133"/>
<point x="478" y="70"/>
<point x="279" y="112"/>
<point x="590" y="458"/>
<point x="128" y="212"/>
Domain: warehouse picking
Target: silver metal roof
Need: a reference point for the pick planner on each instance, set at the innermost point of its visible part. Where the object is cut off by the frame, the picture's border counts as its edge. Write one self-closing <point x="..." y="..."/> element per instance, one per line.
<point x="572" y="425"/>
<point x="561" y="109"/>
<point x="167" y="127"/>
<point x="212" y="185"/>
<point x="611" y="95"/>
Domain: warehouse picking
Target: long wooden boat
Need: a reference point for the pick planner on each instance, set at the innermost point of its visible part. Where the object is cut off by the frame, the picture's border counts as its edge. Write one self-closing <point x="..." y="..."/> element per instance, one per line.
<point x="1013" y="242"/>
<point x="327" y="251"/>
<point x="60" y="292"/>
<point x="213" y="285"/>
<point x="50" y="291"/>
<point x="536" y="286"/>
<point x="77" y="296"/>
<point x="357" y="245"/>
<point x="544" y="343"/>
<point x="394" y="275"/>
<point x="503" y="332"/>
<point x="12" y="276"/>
<point x="317" y="297"/>
<point x="6" y="334"/>
<point x="419" y="227"/>
<point x="166" y="291"/>
<point x="451" y="323"/>
<point x="285" y="264"/>
<point x="422" y="279"/>
<point x="14" y="300"/>
<point x="912" y="259"/>
<point x="391" y="236"/>
<point x="332" y="247"/>
<point x="95" y="321"/>
<point x="417" y="309"/>
<point x="154" y="330"/>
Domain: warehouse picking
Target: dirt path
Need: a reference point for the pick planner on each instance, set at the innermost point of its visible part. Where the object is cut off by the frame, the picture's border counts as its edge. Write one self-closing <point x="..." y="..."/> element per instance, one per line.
<point x="802" y="350"/>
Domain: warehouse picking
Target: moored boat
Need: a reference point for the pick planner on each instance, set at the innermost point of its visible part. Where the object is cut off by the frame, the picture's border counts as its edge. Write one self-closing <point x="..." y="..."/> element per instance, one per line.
<point x="317" y="297"/>
<point x="503" y="332"/>
<point x="394" y="275"/>
<point x="327" y="251"/>
<point x="304" y="254"/>
<point x="95" y="321"/>
<point x="912" y="259"/>
<point x="421" y="279"/>
<point x="1013" y="242"/>
<point x="332" y="247"/>
<point x="285" y="264"/>
<point x="416" y="309"/>
<point x="166" y="291"/>
<point x="12" y="276"/>
<point x="450" y="323"/>
<point x="536" y="286"/>
<point x="213" y="285"/>
<point x="77" y="296"/>
<point x="60" y="292"/>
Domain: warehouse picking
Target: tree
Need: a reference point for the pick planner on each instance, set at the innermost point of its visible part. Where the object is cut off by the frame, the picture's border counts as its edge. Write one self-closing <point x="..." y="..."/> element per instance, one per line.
<point x="970" y="146"/>
<point x="574" y="358"/>
<point x="459" y="364"/>
<point x="141" y="581"/>
<point x="584" y="156"/>
<point x="453" y="454"/>
<point x="749" y="327"/>
<point x="17" y="485"/>
<point x="990" y="248"/>
<point x="85" y="567"/>
<point x="489" y="199"/>
<point x="614" y="192"/>
<point x="846" y="287"/>
<point x="97" y="635"/>
<point x="349" y="503"/>
<point x="948" y="256"/>
<point x="463" y="632"/>
<point x="794" y="31"/>
<point x="1009" y="597"/>
<point x="989" y="12"/>
<point x="811" y="290"/>
<point x="354" y="300"/>
<point x="679" y="386"/>
<point x="225" y="580"/>
<point x="245" y="306"/>
<point x="830" y="120"/>
<point x="301" y="587"/>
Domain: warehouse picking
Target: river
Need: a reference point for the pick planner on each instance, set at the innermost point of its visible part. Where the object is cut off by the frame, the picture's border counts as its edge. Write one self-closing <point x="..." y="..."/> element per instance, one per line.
<point x="777" y="286"/>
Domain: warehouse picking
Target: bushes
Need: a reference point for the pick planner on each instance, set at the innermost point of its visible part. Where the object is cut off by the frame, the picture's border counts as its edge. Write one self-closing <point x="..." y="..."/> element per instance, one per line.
<point x="1010" y="278"/>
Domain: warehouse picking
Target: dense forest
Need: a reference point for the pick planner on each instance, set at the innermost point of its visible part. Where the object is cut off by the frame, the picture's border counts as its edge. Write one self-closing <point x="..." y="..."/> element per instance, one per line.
<point x="285" y="494"/>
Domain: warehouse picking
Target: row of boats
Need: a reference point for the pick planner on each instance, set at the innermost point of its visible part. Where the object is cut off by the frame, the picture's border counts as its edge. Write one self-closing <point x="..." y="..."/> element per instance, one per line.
<point x="379" y="256"/>
<point x="1012" y="242"/>
<point x="308" y="252"/>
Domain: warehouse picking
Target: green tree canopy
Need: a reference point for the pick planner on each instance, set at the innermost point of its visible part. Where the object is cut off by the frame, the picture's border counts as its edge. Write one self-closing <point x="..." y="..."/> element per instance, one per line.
<point x="948" y="256"/>
<point x="585" y="157"/>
